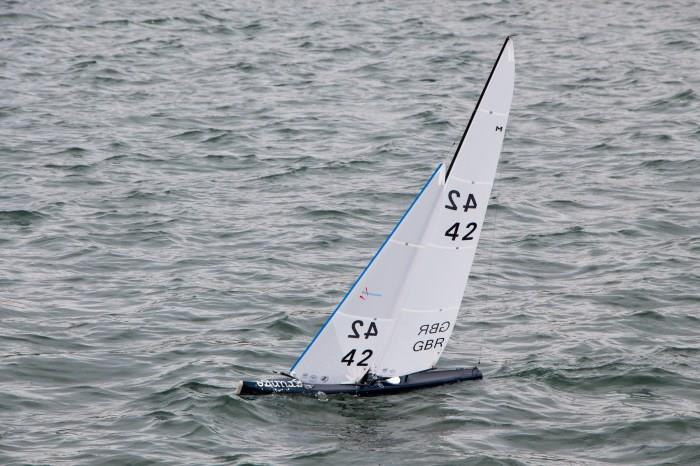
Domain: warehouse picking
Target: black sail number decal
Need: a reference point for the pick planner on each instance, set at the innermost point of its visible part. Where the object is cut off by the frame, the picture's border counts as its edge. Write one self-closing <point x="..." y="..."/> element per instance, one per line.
<point x="367" y="354"/>
<point x="470" y="229"/>
<point x="358" y="324"/>
<point x="452" y="205"/>
<point x="349" y="358"/>
<point x="371" y="331"/>
<point x="357" y="328"/>
<point x="471" y="203"/>
<point x="355" y="333"/>
<point x="453" y="231"/>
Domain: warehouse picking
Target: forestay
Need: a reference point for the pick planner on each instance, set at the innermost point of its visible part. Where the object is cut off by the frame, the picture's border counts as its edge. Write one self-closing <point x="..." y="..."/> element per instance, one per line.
<point x="400" y="312"/>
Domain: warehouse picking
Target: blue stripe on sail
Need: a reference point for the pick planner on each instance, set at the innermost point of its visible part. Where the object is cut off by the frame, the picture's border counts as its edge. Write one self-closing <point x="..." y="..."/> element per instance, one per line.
<point x="366" y="268"/>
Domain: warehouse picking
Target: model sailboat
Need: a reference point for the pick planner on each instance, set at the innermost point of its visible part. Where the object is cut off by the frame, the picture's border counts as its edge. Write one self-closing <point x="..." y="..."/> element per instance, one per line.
<point x="388" y="332"/>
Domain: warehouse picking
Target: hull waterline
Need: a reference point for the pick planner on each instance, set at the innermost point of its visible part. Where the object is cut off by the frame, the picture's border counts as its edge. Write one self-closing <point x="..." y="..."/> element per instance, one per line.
<point x="419" y="380"/>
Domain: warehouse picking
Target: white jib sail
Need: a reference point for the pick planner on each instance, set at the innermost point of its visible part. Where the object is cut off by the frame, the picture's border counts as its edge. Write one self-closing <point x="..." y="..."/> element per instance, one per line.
<point x="400" y="312"/>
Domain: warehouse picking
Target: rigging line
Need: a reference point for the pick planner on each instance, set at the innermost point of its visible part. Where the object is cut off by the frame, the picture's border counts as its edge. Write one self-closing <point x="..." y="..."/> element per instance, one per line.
<point x="476" y="107"/>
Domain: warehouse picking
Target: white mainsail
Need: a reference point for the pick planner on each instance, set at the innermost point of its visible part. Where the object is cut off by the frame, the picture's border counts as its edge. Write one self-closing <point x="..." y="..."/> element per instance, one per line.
<point x="400" y="312"/>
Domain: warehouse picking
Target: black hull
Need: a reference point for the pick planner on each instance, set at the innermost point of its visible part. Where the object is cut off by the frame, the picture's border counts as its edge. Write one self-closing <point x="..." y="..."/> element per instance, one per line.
<point x="425" y="379"/>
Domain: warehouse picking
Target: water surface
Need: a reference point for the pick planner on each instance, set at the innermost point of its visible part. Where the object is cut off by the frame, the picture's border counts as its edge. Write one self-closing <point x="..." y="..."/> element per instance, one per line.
<point x="187" y="189"/>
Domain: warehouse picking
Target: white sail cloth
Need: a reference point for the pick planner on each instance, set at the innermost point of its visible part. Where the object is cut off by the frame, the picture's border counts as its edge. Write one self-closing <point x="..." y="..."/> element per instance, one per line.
<point x="400" y="312"/>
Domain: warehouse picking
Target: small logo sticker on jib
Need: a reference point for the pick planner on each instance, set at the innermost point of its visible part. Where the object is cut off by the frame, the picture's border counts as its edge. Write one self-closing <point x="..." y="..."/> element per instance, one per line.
<point x="365" y="294"/>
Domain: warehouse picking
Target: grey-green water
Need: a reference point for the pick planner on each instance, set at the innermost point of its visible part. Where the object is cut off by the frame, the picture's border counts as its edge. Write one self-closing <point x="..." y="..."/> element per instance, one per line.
<point x="187" y="189"/>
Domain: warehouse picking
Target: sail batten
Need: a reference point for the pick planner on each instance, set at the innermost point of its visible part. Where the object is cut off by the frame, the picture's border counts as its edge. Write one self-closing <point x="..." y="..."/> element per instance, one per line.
<point x="398" y="316"/>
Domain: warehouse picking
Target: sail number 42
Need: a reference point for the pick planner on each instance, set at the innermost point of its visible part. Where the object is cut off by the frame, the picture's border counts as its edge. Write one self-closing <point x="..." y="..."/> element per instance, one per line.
<point x="357" y="327"/>
<point x="371" y="331"/>
<point x="470" y="204"/>
<point x="453" y="231"/>
<point x="350" y="357"/>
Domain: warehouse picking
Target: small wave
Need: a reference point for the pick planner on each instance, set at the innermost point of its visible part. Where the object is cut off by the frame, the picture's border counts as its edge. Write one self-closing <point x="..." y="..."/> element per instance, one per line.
<point x="205" y="135"/>
<point x="284" y="174"/>
<point x="648" y="314"/>
<point x="477" y="17"/>
<point x="14" y="18"/>
<point x="678" y="100"/>
<point x="254" y="26"/>
<point x="72" y="168"/>
<point x="168" y="20"/>
<point x="189" y="134"/>
<point x="20" y="217"/>
<point x="603" y="378"/>
<point x="222" y="136"/>
<point x="284" y="328"/>
<point x="686" y="165"/>
<point x="114" y="22"/>
<point x="323" y="213"/>
<point x="82" y="65"/>
<point x="687" y="351"/>
<point x="572" y="232"/>
<point x="564" y="203"/>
